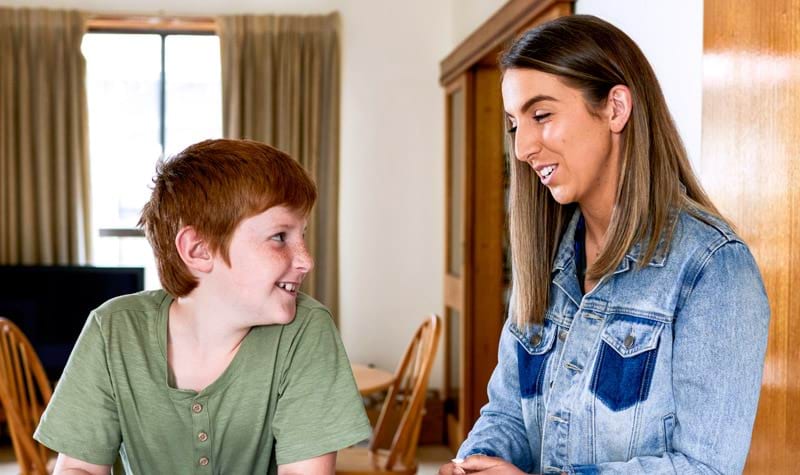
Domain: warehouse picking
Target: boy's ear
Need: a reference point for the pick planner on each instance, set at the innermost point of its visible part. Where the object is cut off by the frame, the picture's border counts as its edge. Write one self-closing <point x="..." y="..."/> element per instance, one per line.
<point x="620" y="105"/>
<point x="193" y="250"/>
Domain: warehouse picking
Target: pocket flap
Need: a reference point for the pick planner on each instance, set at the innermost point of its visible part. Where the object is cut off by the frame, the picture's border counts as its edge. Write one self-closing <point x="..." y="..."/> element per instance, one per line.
<point x="536" y="339"/>
<point x="630" y="336"/>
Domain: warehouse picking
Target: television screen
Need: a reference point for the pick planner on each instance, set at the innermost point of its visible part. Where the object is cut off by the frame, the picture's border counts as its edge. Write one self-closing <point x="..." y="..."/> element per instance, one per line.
<point x="50" y="304"/>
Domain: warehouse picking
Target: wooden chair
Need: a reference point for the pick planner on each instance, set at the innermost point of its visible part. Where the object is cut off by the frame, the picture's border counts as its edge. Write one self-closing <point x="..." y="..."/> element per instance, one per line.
<point x="24" y="393"/>
<point x="393" y="447"/>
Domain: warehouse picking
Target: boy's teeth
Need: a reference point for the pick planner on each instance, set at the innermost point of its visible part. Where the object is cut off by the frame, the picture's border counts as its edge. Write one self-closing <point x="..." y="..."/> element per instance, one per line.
<point x="287" y="286"/>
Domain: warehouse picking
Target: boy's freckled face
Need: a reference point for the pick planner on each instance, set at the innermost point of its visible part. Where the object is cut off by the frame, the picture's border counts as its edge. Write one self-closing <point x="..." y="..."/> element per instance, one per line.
<point x="268" y="261"/>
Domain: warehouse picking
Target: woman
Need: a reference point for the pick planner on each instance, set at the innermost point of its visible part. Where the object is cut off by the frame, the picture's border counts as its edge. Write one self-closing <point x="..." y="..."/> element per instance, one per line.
<point x="638" y="322"/>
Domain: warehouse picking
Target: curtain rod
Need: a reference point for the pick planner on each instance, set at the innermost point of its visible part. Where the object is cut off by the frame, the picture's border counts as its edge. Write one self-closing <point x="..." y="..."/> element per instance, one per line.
<point x="140" y="22"/>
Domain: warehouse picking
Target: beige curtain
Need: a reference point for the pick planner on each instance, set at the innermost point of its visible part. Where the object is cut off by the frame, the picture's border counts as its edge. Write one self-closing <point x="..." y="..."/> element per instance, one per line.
<point x="44" y="165"/>
<point x="280" y="83"/>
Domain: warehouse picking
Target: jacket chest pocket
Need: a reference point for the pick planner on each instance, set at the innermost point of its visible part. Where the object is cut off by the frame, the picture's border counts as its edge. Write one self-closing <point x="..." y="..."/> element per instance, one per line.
<point x="534" y="347"/>
<point x="624" y="367"/>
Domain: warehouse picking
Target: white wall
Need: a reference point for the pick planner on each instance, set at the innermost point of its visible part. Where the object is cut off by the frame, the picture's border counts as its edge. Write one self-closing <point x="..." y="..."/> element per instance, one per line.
<point x="669" y="33"/>
<point x="468" y="15"/>
<point x="392" y="175"/>
<point x="392" y="157"/>
<point x="671" y="36"/>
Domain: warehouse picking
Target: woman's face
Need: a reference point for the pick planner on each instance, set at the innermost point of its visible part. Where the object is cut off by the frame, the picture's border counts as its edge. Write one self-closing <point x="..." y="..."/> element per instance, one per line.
<point x="574" y="153"/>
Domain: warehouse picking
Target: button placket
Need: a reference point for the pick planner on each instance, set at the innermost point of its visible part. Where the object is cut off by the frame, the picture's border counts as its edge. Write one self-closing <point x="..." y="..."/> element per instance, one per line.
<point x="554" y="448"/>
<point x="566" y="383"/>
<point x="200" y="426"/>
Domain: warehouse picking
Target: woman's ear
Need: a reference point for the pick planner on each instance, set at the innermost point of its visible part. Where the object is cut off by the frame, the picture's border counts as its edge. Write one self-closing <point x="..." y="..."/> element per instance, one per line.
<point x="194" y="251"/>
<point x="620" y="105"/>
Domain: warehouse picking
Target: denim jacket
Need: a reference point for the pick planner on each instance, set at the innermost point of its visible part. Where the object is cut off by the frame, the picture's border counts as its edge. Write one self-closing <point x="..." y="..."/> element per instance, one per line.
<point x="655" y="370"/>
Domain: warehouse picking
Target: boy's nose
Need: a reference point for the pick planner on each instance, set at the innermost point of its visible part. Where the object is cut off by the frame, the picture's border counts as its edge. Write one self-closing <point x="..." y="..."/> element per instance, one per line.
<point x="303" y="260"/>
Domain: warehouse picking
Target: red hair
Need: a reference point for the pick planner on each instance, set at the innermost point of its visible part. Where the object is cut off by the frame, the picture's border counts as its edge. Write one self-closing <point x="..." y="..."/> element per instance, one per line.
<point x="213" y="186"/>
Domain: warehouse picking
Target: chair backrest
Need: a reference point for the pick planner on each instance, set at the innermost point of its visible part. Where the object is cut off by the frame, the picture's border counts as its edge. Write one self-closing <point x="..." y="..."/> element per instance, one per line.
<point x="24" y="393"/>
<point x="400" y="420"/>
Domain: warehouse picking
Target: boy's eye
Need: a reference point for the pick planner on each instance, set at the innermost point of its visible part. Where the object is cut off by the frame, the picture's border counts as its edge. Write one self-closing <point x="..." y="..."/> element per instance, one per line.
<point x="280" y="237"/>
<point x="540" y="117"/>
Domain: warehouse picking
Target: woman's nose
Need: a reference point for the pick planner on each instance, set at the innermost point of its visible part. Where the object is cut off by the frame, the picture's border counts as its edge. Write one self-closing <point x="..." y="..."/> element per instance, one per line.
<point x="527" y="144"/>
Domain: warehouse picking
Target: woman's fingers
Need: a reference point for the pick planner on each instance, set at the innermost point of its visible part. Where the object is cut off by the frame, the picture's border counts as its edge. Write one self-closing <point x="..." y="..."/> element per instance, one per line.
<point x="451" y="469"/>
<point x="477" y="463"/>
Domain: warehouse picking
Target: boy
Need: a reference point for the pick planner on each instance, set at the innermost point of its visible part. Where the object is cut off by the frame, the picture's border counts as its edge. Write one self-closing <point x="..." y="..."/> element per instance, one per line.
<point x="228" y="369"/>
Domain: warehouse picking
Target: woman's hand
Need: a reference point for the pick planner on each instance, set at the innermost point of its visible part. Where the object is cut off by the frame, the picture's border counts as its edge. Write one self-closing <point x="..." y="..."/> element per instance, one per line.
<point x="450" y="469"/>
<point x="480" y="465"/>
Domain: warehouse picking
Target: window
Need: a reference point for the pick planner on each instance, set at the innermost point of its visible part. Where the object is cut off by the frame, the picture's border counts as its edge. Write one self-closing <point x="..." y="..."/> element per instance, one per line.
<point x="150" y="95"/>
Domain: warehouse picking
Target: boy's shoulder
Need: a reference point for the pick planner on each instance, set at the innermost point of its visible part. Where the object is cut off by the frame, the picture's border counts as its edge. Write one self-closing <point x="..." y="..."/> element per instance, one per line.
<point x="145" y="302"/>
<point x="310" y="313"/>
<point x="307" y="305"/>
<point x="312" y="320"/>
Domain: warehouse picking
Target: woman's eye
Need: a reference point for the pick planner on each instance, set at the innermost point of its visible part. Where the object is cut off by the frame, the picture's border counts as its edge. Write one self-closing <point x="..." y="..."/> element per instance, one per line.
<point x="512" y="129"/>
<point x="280" y="237"/>
<point x="540" y="117"/>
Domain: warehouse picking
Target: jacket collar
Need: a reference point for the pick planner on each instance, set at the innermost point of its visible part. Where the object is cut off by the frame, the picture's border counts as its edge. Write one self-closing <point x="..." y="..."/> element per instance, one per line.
<point x="566" y="249"/>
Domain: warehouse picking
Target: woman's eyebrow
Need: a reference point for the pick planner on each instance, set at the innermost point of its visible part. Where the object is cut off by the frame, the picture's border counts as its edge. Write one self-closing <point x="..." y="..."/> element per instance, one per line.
<point x="533" y="100"/>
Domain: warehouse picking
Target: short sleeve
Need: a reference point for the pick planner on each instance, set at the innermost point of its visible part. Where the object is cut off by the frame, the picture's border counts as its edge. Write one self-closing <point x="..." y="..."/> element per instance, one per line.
<point x="319" y="409"/>
<point x="81" y="420"/>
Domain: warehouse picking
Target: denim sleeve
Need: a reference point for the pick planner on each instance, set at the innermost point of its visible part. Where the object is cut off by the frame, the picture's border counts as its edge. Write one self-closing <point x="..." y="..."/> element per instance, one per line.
<point x="500" y="431"/>
<point x="720" y="338"/>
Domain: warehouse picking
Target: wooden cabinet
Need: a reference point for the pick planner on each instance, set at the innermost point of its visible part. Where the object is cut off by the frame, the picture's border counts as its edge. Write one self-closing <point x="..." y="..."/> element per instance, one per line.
<point x="750" y="167"/>
<point x="477" y="273"/>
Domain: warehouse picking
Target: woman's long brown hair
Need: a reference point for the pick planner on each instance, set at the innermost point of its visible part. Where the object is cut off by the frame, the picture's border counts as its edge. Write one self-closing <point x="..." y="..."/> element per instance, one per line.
<point x="656" y="176"/>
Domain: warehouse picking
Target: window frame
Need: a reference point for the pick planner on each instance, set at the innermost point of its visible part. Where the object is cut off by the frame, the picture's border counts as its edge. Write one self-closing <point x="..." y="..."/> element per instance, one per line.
<point x="156" y="25"/>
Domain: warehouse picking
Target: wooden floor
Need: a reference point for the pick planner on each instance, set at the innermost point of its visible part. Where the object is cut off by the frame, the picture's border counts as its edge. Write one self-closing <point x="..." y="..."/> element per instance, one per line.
<point x="8" y="463"/>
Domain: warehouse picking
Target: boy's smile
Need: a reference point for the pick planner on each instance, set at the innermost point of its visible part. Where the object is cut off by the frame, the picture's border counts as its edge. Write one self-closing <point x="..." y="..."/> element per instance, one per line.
<point x="290" y="287"/>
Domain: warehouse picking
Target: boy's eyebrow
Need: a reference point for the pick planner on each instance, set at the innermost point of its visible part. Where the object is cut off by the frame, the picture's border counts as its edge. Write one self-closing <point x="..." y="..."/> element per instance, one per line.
<point x="287" y="226"/>
<point x="533" y="100"/>
<point x="280" y="227"/>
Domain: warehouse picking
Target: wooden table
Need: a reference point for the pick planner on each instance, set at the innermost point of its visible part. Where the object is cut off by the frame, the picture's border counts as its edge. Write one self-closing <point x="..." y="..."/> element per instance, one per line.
<point x="371" y="380"/>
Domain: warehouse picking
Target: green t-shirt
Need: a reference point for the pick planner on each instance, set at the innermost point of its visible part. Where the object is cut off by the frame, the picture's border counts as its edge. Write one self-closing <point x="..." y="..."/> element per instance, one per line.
<point x="288" y="395"/>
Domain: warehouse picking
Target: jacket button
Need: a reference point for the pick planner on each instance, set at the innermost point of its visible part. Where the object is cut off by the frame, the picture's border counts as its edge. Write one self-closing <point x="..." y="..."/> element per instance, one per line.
<point x="562" y="335"/>
<point x="203" y="461"/>
<point x="197" y="408"/>
<point x="536" y="339"/>
<point x="629" y="341"/>
<point x="202" y="436"/>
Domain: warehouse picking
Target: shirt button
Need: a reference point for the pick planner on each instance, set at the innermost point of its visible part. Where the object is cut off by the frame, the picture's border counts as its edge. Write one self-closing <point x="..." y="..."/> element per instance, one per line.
<point x="562" y="335"/>
<point x="629" y="341"/>
<point x="202" y="436"/>
<point x="197" y="408"/>
<point x="536" y="339"/>
<point x="203" y="461"/>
